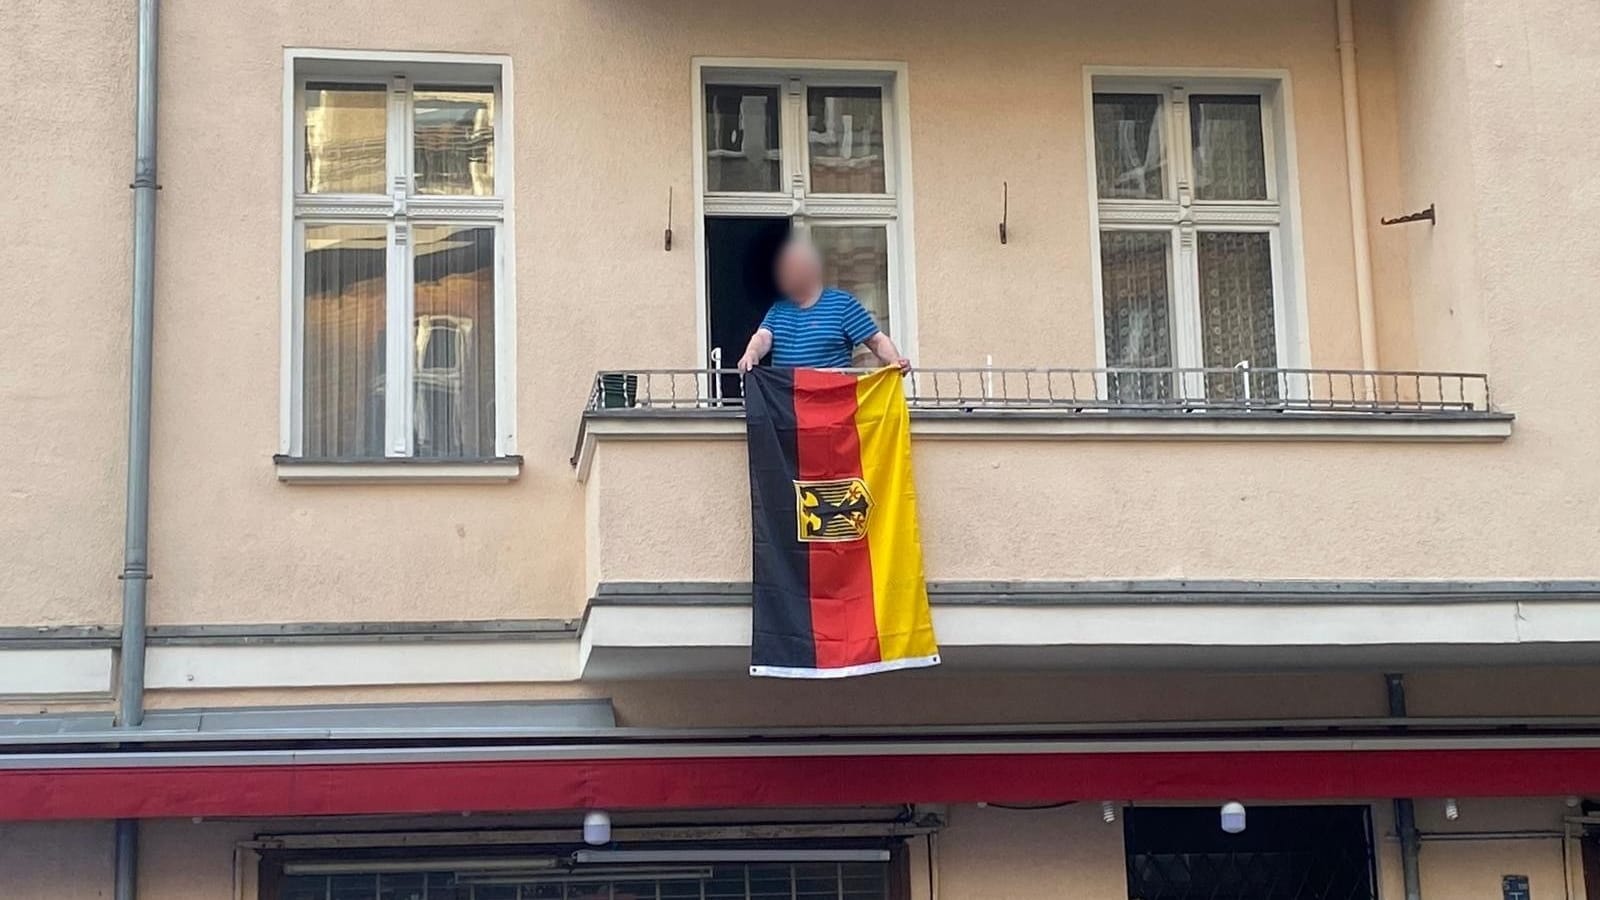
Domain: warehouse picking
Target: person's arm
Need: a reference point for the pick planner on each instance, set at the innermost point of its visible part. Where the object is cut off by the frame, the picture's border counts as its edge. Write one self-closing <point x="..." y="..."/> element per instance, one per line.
<point x="861" y="329"/>
<point x="760" y="345"/>
<point x="887" y="353"/>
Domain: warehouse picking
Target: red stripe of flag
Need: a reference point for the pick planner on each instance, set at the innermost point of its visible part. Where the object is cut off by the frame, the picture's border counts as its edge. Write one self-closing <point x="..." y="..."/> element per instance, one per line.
<point x="843" y="621"/>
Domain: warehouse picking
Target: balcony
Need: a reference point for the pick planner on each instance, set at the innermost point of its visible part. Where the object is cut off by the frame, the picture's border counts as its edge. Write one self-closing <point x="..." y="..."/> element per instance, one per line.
<point x="1076" y="516"/>
<point x="1018" y="403"/>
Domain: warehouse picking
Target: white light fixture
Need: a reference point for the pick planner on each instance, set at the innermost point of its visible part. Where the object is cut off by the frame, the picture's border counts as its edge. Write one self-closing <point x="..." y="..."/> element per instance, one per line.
<point x="597" y="828"/>
<point x="1233" y="817"/>
<point x="1451" y="811"/>
<point x="1108" y="812"/>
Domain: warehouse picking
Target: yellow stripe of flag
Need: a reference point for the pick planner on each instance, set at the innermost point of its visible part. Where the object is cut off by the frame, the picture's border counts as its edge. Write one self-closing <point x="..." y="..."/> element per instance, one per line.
<point x="900" y="595"/>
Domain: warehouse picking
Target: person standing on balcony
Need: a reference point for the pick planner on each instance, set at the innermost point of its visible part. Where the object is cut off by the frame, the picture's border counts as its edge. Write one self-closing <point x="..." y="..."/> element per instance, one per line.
<point x="813" y="326"/>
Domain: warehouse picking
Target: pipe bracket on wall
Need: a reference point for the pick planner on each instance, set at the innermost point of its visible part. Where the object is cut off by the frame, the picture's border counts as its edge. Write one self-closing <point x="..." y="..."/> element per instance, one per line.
<point x="1005" y="210"/>
<point x="667" y="241"/>
<point x="1426" y="215"/>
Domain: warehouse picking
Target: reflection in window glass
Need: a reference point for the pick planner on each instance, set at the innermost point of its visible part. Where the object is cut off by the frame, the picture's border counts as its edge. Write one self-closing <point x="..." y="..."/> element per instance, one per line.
<point x="346" y="138"/>
<point x="743" y="152"/>
<point x="453" y="341"/>
<point x="1130" y="159"/>
<point x="344" y="332"/>
<point x="1230" y="160"/>
<point x="856" y="259"/>
<point x="845" y="134"/>
<point x="454" y="140"/>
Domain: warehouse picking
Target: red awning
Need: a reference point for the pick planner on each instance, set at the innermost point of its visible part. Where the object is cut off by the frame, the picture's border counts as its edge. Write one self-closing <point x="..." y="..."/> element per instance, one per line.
<point x="679" y="776"/>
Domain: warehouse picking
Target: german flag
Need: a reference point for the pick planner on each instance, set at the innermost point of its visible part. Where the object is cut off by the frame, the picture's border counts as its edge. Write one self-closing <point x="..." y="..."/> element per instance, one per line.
<point x="837" y="566"/>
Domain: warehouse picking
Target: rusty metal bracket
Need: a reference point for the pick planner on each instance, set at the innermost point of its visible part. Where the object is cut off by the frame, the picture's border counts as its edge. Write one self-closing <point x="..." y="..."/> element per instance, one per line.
<point x="1426" y="215"/>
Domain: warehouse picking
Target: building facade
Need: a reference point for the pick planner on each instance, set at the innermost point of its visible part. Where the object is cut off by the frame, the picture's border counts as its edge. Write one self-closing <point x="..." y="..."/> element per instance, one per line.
<point x="448" y="544"/>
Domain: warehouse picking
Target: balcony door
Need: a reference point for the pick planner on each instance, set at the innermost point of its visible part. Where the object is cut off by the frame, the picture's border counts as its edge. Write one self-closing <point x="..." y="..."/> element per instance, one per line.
<point x="811" y="153"/>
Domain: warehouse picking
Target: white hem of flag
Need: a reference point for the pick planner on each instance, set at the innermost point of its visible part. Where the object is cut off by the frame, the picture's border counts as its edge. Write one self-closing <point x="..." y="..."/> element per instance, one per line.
<point x="888" y="665"/>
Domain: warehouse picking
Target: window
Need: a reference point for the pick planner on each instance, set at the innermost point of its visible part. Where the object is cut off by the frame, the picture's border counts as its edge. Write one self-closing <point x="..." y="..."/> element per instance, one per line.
<point x="1286" y="853"/>
<point x="399" y="296"/>
<point x="1193" y="269"/>
<point x="813" y="152"/>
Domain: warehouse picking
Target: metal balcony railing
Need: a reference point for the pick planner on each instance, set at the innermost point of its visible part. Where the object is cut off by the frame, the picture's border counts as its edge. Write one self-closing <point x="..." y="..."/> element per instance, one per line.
<point x="1240" y="390"/>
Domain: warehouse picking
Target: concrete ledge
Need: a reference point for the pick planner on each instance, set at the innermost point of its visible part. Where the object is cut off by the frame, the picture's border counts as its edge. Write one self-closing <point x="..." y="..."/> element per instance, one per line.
<point x="1067" y="425"/>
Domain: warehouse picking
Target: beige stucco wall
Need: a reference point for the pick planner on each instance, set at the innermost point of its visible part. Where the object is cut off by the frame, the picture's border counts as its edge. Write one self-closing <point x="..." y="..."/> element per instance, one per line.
<point x="602" y="131"/>
<point x="67" y="77"/>
<point x="983" y="852"/>
<point x="1089" y="510"/>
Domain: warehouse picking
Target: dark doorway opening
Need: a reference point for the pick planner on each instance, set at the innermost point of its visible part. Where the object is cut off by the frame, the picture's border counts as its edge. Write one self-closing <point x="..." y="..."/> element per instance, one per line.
<point x="739" y="284"/>
<point x="1285" y="853"/>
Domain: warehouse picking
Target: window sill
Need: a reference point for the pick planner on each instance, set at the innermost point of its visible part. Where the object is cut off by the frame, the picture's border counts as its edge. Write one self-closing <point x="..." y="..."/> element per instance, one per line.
<point x="494" y="470"/>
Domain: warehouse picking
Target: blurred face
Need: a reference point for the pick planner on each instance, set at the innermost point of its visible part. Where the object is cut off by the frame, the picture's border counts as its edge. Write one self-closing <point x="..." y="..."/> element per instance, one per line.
<point x="799" y="272"/>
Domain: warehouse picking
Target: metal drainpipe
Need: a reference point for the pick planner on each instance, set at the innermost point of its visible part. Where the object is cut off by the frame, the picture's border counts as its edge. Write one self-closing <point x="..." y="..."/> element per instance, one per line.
<point x="136" y="533"/>
<point x="1355" y="163"/>
<point x="1405" y="815"/>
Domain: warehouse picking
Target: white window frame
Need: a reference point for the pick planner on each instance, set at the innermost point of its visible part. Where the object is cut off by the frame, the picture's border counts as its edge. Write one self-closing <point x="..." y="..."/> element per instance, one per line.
<point x="891" y="210"/>
<point x="398" y="209"/>
<point x="1183" y="217"/>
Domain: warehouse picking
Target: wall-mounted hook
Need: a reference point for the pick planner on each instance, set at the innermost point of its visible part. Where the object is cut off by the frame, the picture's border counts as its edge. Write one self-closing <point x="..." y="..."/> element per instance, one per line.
<point x="1426" y="215"/>
<point x="667" y="241"/>
<point x="1005" y="210"/>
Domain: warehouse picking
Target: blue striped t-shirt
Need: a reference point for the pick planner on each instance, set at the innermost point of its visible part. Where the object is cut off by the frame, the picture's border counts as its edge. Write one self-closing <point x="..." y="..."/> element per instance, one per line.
<point x="820" y="336"/>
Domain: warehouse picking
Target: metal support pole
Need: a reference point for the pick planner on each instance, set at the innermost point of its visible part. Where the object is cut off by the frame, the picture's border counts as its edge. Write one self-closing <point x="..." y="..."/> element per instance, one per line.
<point x="1405" y="814"/>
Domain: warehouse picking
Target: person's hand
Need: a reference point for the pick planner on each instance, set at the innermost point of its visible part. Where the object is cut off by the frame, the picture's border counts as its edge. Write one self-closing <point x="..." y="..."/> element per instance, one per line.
<point x="747" y="362"/>
<point x="904" y="365"/>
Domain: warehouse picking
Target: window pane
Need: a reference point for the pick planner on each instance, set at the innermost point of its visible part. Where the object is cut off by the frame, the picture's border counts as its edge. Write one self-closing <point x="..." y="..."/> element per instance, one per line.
<point x="1230" y="160"/>
<point x="845" y="131"/>
<point x="343" y="350"/>
<point x="353" y="887"/>
<point x="454" y="140"/>
<point x="817" y="881"/>
<point x="742" y="147"/>
<point x="346" y="138"/>
<point x="1294" y="853"/>
<point x="855" y="258"/>
<point x="1136" y="298"/>
<point x="634" y="890"/>
<point x="303" y="887"/>
<point x="1129" y="156"/>
<point x="402" y="886"/>
<point x="1236" y="315"/>
<point x="453" y="341"/>
<point x="864" y="881"/>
